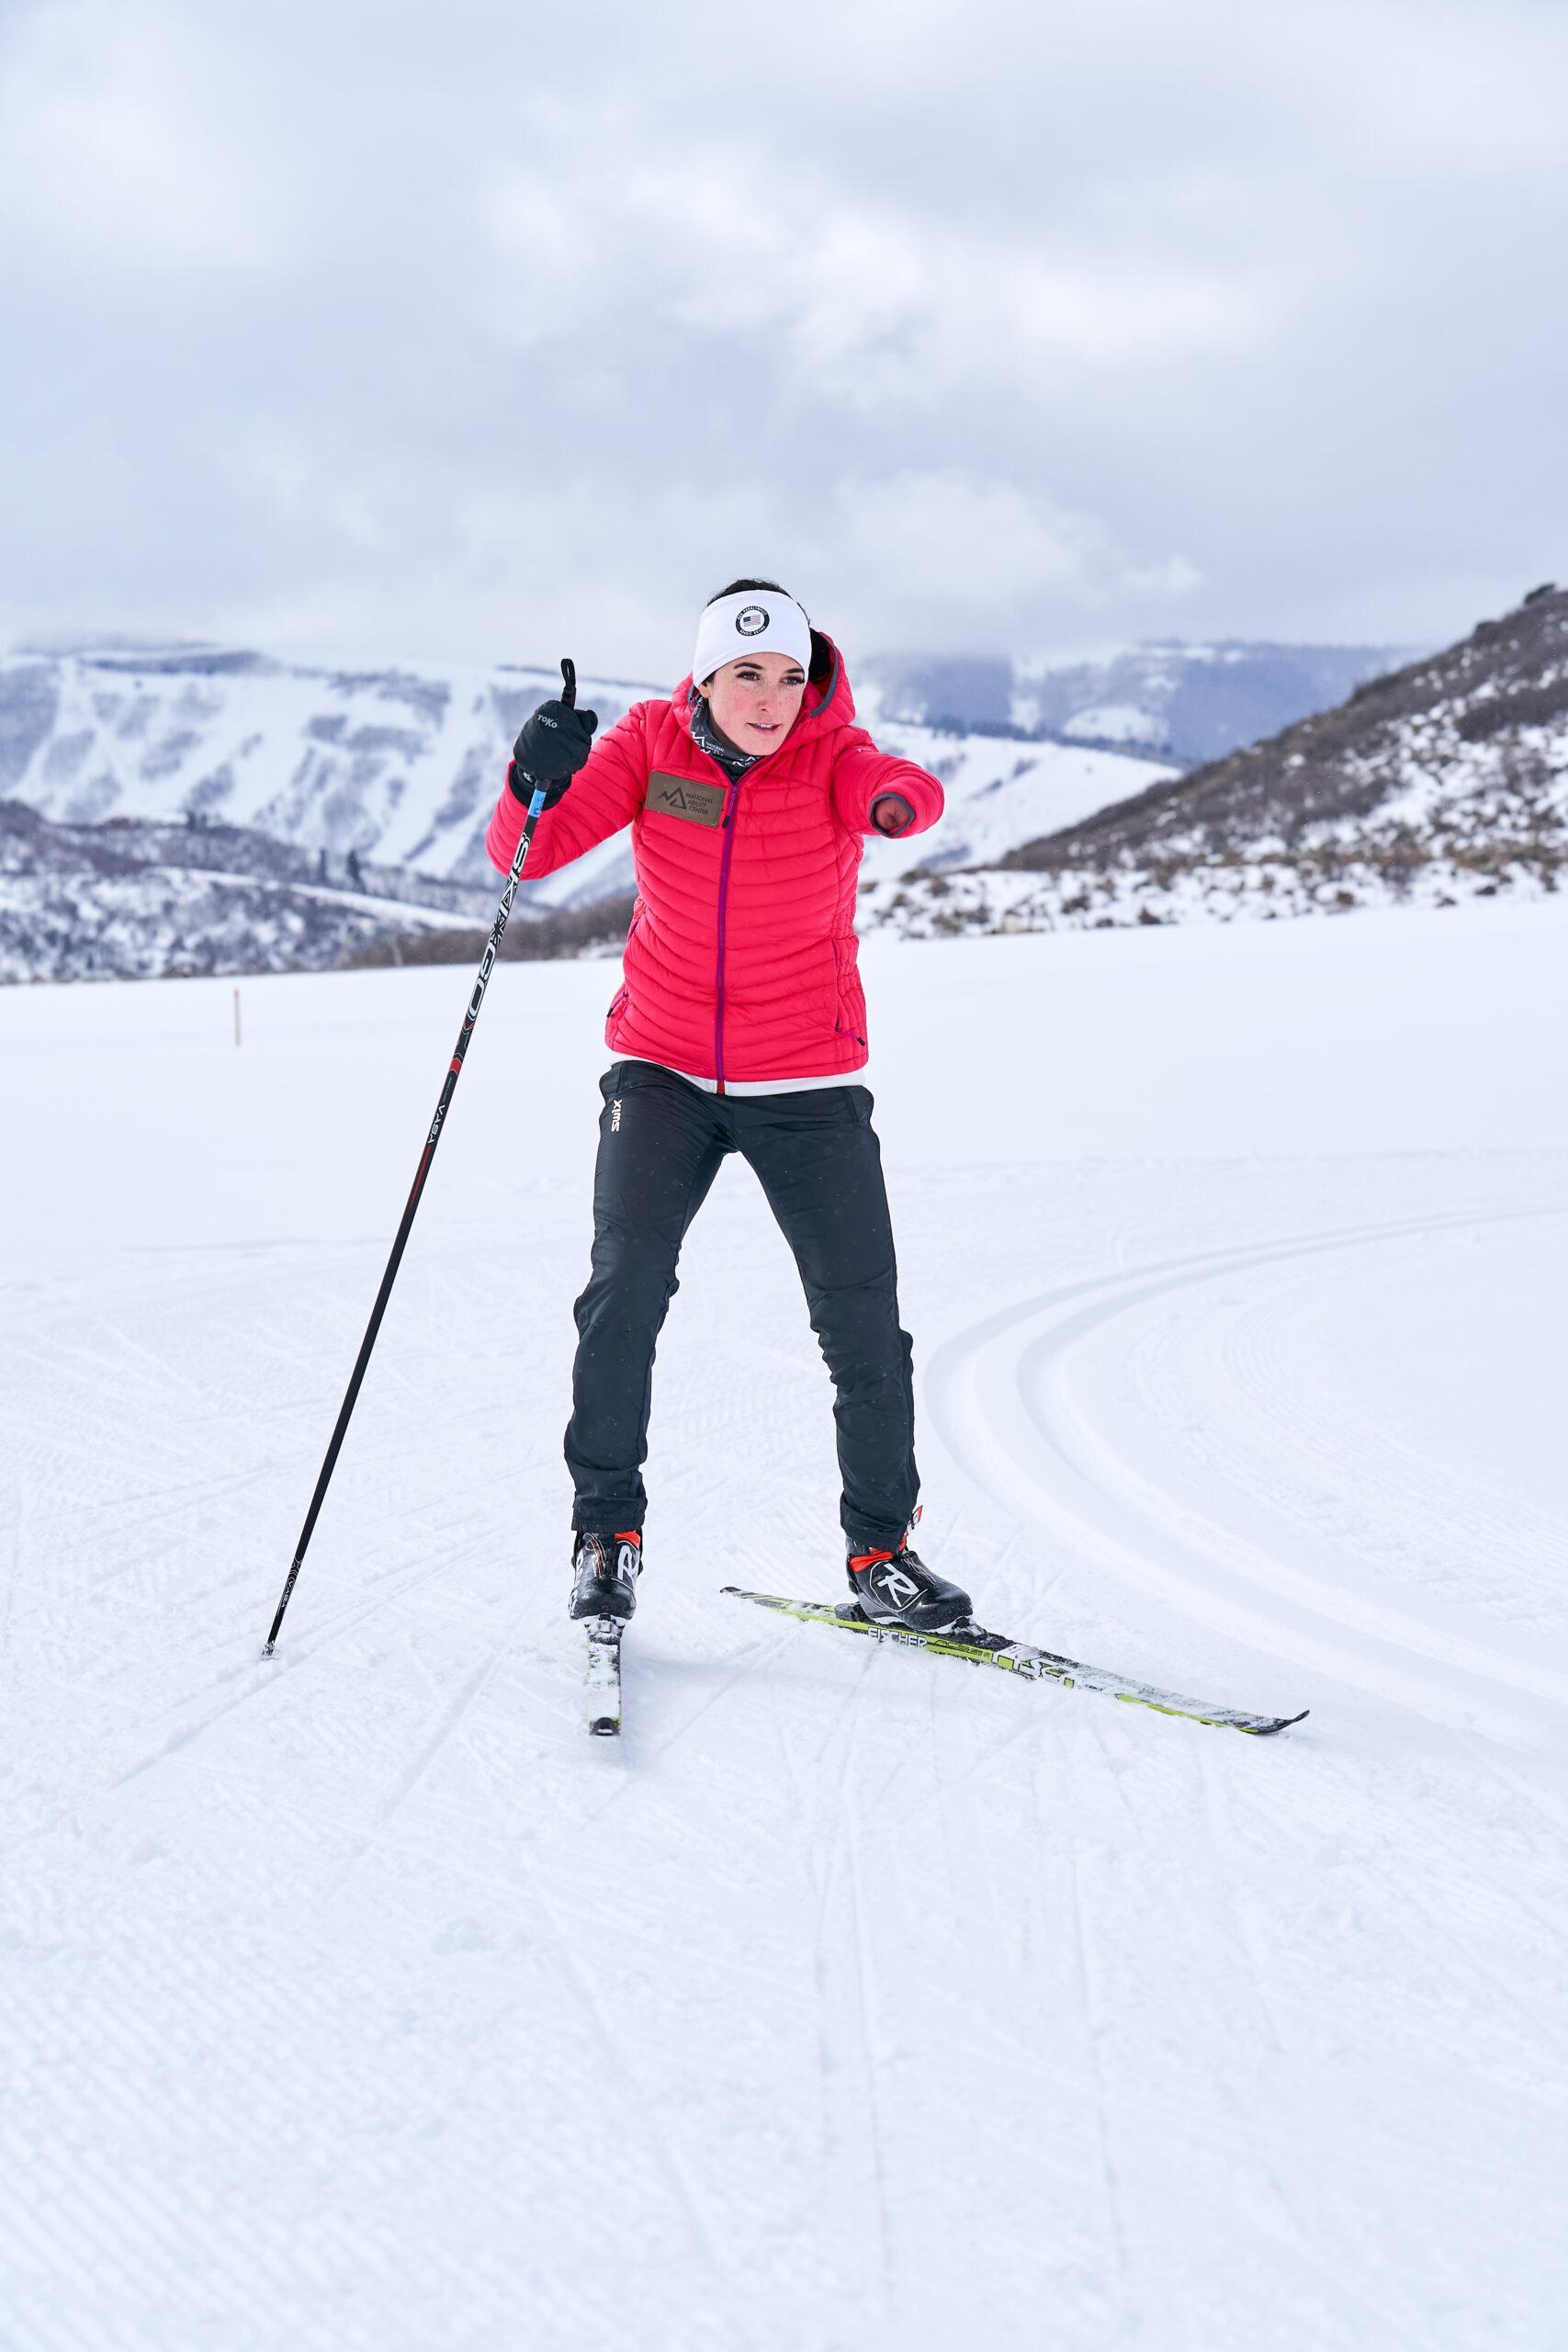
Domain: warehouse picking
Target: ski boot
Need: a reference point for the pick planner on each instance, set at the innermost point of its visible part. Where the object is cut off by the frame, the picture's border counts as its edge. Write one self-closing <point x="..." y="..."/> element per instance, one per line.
<point x="897" y="1589"/>
<point x="604" y="1570"/>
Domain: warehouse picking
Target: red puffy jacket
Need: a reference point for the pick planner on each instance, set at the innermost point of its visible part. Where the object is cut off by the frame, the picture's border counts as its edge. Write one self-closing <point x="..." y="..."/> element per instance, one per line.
<point x="740" y="963"/>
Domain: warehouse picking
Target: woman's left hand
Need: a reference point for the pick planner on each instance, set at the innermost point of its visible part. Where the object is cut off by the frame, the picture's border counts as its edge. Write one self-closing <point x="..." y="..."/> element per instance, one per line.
<point x="891" y="813"/>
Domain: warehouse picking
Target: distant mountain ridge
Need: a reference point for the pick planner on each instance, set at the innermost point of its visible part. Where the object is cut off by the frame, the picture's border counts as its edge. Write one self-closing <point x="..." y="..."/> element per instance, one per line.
<point x="198" y="808"/>
<point x="1182" y="703"/>
<point x="402" y="765"/>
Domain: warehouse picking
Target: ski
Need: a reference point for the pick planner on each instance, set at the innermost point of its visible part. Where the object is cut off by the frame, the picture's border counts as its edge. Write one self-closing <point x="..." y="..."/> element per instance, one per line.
<point x="601" y="1683"/>
<point x="974" y="1644"/>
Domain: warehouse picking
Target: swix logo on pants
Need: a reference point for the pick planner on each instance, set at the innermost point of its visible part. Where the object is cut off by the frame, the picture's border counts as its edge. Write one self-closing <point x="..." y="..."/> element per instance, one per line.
<point x="615" y="1117"/>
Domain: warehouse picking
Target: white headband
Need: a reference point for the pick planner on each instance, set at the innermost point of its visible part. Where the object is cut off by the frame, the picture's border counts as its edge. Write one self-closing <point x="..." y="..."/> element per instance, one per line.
<point x="758" y="620"/>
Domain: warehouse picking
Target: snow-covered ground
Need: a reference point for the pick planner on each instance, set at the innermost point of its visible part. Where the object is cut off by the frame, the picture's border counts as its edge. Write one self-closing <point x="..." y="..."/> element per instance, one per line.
<point x="854" y="2000"/>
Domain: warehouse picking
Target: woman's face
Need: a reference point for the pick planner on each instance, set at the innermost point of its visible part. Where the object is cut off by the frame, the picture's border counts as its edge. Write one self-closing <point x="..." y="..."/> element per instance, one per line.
<point x="754" y="701"/>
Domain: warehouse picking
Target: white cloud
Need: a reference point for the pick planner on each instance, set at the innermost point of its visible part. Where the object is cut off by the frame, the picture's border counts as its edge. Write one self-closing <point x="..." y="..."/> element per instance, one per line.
<point x="974" y="554"/>
<point x="949" y="560"/>
<point x="859" y="300"/>
<point x="980" y="323"/>
<point x="124" y="136"/>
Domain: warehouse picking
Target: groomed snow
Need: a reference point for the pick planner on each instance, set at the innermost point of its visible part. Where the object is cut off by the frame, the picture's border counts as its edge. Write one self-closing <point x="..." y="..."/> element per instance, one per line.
<point x="854" y="2000"/>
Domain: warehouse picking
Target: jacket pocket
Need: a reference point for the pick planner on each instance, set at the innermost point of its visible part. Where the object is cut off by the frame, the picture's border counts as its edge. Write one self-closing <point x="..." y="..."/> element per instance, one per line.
<point x="849" y="1009"/>
<point x="618" y="1002"/>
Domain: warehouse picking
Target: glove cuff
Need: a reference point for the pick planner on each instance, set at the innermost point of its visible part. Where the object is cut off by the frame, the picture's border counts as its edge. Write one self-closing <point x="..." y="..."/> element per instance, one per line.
<point x="523" y="787"/>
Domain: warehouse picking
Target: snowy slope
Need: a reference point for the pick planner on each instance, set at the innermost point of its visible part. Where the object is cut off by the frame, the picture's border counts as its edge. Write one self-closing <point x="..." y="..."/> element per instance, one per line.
<point x="128" y="900"/>
<point x="994" y="787"/>
<point x="404" y="764"/>
<point x="856" y="2000"/>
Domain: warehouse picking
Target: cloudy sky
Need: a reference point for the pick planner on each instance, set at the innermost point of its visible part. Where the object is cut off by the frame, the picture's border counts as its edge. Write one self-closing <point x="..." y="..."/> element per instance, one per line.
<point x="483" y="332"/>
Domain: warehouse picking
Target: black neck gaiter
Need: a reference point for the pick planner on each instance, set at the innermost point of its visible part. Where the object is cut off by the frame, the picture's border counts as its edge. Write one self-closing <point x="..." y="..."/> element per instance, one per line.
<point x="707" y="738"/>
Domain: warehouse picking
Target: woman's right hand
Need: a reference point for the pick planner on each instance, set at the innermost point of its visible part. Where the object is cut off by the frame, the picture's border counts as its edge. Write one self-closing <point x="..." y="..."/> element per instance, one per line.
<point x="555" y="739"/>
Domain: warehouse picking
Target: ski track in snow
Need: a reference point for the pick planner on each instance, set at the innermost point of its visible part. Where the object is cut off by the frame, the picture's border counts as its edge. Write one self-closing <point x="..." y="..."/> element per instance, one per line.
<point x="852" y="1998"/>
<point x="1002" y="1397"/>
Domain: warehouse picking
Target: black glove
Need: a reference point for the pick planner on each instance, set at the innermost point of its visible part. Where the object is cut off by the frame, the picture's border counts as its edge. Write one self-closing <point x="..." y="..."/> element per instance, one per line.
<point x="555" y="740"/>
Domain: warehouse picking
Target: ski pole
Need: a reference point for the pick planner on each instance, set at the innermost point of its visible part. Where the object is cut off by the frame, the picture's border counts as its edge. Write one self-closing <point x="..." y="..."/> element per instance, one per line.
<point x="449" y="1086"/>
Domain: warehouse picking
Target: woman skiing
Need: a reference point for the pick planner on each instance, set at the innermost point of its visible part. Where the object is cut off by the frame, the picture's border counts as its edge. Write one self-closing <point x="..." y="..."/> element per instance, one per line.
<point x="739" y="1026"/>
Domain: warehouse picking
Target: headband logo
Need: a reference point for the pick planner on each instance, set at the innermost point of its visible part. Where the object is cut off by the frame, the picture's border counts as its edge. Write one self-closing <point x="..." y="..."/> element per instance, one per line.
<point x="751" y="620"/>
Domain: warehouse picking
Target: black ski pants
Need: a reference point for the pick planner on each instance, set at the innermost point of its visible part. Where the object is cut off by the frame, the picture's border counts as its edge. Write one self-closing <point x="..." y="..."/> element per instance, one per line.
<point x="818" y="1160"/>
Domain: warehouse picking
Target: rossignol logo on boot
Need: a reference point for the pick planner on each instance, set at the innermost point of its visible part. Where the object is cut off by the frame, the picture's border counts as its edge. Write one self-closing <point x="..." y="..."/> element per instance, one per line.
<point x="894" y="1586"/>
<point x="615" y="1117"/>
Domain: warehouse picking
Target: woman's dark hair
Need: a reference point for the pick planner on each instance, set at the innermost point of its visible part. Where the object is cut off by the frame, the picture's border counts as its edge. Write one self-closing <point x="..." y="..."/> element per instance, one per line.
<point x="821" y="658"/>
<point x="742" y="587"/>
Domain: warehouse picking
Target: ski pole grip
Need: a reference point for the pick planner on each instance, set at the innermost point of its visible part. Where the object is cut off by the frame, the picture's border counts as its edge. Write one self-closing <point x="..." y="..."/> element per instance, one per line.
<point x="568" y="682"/>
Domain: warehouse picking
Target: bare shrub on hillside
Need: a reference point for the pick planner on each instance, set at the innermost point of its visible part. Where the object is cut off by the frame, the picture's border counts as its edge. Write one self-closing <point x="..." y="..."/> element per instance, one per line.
<point x="574" y="931"/>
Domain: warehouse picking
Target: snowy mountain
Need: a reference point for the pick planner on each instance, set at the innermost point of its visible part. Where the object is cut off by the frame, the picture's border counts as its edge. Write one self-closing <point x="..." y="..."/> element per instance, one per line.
<point x="1191" y="703"/>
<point x="1167" y="700"/>
<point x="404" y="765"/>
<point x="1443" y="780"/>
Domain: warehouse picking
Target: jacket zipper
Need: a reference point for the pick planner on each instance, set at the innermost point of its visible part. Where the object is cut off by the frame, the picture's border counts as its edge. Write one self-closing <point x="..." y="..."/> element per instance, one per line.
<point x="731" y="799"/>
<point x="726" y="820"/>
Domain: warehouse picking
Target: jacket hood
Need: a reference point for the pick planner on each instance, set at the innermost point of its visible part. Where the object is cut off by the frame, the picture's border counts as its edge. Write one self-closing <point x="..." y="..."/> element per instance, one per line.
<point x="827" y="702"/>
